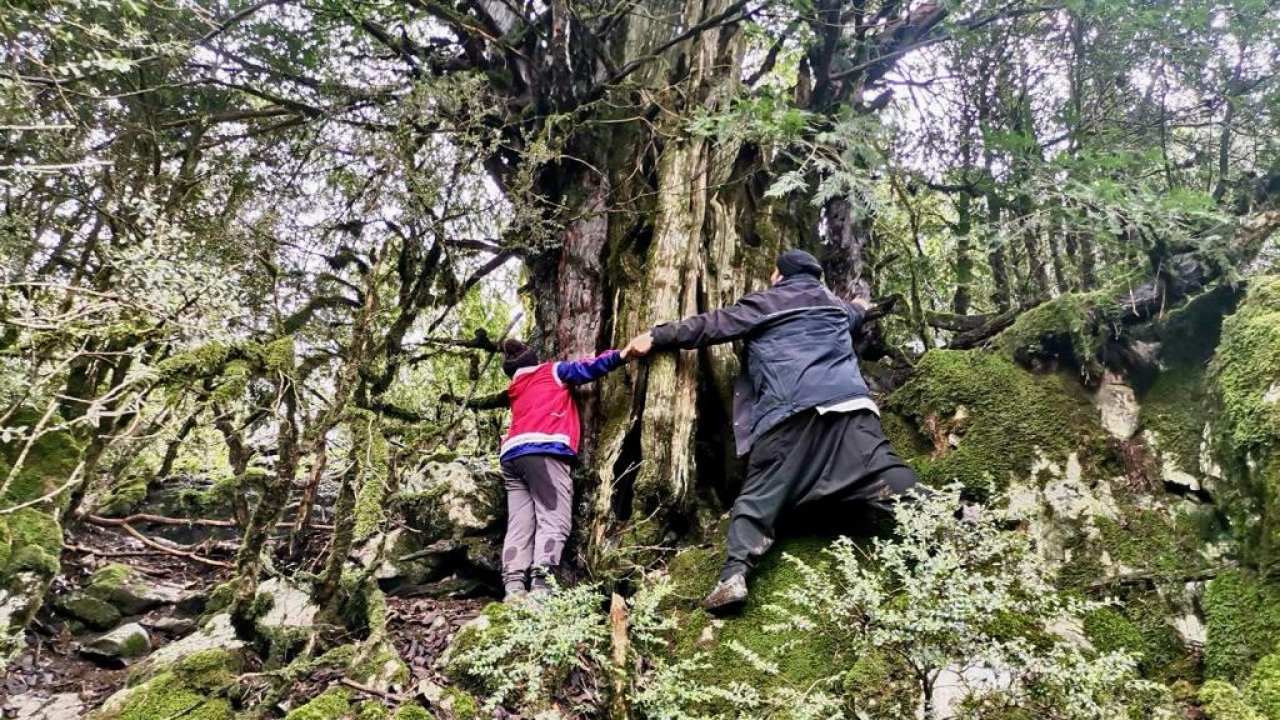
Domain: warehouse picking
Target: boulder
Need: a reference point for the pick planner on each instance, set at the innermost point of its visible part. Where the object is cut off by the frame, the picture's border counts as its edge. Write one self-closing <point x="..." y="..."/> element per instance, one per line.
<point x="173" y="626"/>
<point x="29" y="706"/>
<point x="452" y="499"/>
<point x="1117" y="406"/>
<point x="198" y="685"/>
<point x="216" y="634"/>
<point x="291" y="605"/>
<point x="94" y="613"/>
<point x="132" y="593"/>
<point x="123" y="643"/>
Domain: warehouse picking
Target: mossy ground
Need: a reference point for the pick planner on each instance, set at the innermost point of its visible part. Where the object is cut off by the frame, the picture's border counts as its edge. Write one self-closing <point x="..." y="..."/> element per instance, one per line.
<point x="693" y="574"/>
<point x="1008" y="417"/>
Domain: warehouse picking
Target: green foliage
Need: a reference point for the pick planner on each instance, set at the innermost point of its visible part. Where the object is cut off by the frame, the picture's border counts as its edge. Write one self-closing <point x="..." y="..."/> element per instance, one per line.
<point x="1263" y="688"/>
<point x="1222" y="701"/>
<point x="1004" y="417"/>
<point x="520" y="652"/>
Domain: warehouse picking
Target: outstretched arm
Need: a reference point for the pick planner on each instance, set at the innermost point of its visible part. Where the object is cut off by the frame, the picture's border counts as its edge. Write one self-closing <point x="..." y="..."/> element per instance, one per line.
<point x="857" y="309"/>
<point x="580" y="372"/>
<point x="711" y="328"/>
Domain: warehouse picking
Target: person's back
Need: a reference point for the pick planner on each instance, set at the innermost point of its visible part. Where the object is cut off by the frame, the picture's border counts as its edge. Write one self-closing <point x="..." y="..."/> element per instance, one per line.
<point x="535" y="456"/>
<point x="801" y="409"/>
<point x="801" y="356"/>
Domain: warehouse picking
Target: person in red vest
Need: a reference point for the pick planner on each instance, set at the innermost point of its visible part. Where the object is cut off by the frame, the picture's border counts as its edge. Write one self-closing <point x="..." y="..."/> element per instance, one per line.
<point x="536" y="453"/>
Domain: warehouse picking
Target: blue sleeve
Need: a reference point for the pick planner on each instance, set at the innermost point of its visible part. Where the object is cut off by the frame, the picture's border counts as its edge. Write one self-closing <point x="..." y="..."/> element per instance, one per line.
<point x="580" y="372"/>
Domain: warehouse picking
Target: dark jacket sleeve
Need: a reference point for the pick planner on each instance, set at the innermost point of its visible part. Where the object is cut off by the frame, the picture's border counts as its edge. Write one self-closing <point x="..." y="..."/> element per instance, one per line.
<point x="712" y="328"/>
<point x="856" y="314"/>
<point x="580" y="372"/>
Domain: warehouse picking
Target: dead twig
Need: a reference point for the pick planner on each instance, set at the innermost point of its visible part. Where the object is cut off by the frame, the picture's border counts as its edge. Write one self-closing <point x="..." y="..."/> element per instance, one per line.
<point x="369" y="690"/>
<point x="201" y="522"/>
<point x="113" y="522"/>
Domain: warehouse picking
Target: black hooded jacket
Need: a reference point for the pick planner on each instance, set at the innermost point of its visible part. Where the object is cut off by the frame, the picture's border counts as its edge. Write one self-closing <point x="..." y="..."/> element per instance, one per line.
<point x="799" y="352"/>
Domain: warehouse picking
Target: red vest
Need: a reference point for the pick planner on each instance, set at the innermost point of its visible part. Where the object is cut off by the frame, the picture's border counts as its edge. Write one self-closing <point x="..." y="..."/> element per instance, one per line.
<point x="542" y="410"/>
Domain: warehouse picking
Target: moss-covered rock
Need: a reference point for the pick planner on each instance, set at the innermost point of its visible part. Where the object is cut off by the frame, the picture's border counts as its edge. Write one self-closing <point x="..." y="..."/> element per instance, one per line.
<point x="1110" y="631"/>
<point x="198" y="687"/>
<point x="89" y="610"/>
<point x="988" y="420"/>
<point x="1072" y="327"/>
<point x="123" y="499"/>
<point x="31" y="538"/>
<point x="1246" y="381"/>
<point x="332" y="704"/>
<point x="412" y="712"/>
<point x="1242" y="614"/>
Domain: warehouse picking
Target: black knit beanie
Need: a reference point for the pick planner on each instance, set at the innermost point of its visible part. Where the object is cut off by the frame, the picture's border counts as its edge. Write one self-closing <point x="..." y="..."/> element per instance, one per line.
<point x="516" y="355"/>
<point x="799" y="262"/>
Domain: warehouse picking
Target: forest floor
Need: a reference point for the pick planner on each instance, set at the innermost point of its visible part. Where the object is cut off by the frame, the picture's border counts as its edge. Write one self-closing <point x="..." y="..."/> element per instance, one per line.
<point x="52" y="665"/>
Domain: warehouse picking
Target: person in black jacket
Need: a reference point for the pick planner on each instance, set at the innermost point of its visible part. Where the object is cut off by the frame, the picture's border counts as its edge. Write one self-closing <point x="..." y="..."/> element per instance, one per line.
<point x="801" y="409"/>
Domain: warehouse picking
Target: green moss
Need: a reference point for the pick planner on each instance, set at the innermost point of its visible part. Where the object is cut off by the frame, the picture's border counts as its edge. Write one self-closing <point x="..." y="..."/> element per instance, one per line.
<point x="332" y="704"/>
<point x="1162" y="654"/>
<point x="462" y="705"/>
<point x="111" y="577"/>
<point x="90" y="610"/>
<point x="1007" y="416"/>
<point x="123" y="499"/>
<point x="1070" y="327"/>
<point x="1263" y="689"/>
<point x="135" y="645"/>
<point x="203" y="361"/>
<point x="1173" y="409"/>
<point x="693" y="574"/>
<point x="275" y="356"/>
<point x="33" y="542"/>
<point x="372" y="710"/>
<point x="1242" y="615"/>
<point x="164" y="697"/>
<point x="1222" y="701"/>
<point x="906" y="440"/>
<point x="1247" y="367"/>
<point x="1110" y="631"/>
<point x="220" y="598"/>
<point x="1245" y="374"/>
<point x="1145" y="539"/>
<point x="48" y="462"/>
<point x="210" y="670"/>
<point x="877" y="680"/>
<point x="413" y="712"/>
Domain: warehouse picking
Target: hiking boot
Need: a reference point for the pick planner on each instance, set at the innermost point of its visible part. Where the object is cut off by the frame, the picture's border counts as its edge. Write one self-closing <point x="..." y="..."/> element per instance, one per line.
<point x="728" y="595"/>
<point x="541" y="579"/>
<point x="514" y="592"/>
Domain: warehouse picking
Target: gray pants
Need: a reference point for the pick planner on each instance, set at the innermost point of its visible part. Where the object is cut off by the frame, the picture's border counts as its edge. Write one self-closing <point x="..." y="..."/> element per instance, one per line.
<point x="539" y="514"/>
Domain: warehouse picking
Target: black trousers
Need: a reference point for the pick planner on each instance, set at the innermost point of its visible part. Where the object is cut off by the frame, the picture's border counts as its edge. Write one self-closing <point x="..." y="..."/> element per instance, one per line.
<point x="834" y="462"/>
